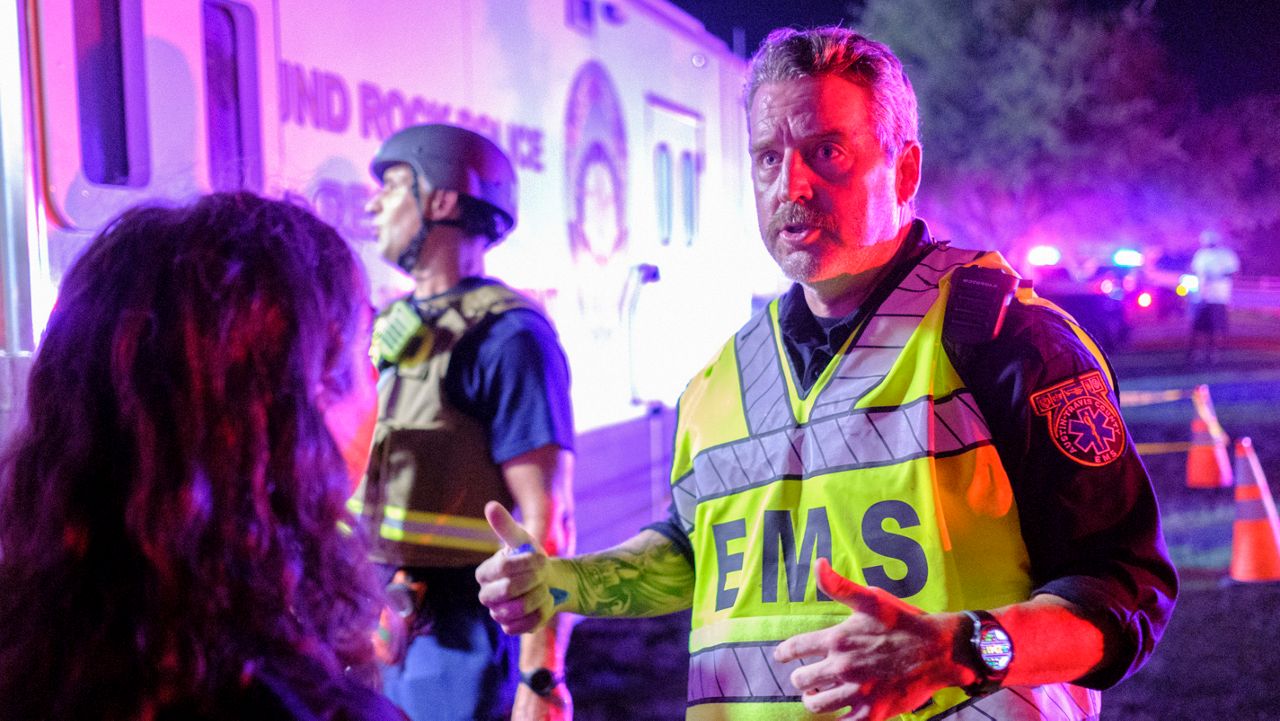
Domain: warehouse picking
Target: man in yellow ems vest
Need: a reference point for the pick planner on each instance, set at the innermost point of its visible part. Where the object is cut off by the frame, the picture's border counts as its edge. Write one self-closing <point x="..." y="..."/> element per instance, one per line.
<point x="904" y="489"/>
<point x="473" y="406"/>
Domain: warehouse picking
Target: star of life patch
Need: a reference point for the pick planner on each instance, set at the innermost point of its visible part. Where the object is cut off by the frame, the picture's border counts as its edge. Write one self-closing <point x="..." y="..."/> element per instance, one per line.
<point x="1083" y="422"/>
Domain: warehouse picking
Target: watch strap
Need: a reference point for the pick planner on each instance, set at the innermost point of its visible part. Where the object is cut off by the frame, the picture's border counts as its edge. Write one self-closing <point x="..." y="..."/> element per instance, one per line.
<point x="990" y="651"/>
<point x="542" y="681"/>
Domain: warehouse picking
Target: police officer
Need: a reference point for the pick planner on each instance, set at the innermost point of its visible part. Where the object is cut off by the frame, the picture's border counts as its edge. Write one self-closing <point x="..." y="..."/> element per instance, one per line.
<point x="473" y="406"/>
<point x="902" y="490"/>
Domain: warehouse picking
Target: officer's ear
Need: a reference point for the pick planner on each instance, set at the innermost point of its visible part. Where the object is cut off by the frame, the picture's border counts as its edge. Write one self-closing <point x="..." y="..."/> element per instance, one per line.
<point x="907" y="172"/>
<point x="442" y="205"/>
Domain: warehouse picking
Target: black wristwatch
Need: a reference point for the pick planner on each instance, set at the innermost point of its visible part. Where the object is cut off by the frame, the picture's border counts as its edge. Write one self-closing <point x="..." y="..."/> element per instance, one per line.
<point x="541" y="681"/>
<point x="989" y="653"/>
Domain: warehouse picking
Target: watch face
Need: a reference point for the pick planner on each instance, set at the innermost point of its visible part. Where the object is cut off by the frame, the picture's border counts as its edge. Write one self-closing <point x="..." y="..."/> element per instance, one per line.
<point x="995" y="648"/>
<point x="541" y="681"/>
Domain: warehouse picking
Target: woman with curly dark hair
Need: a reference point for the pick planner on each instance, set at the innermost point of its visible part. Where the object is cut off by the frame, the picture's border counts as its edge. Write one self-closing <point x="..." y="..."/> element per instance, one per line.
<point x="173" y="537"/>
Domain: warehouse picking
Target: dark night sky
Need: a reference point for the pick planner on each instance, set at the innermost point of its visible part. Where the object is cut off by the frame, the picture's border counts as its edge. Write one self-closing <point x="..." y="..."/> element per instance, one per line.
<point x="1230" y="48"/>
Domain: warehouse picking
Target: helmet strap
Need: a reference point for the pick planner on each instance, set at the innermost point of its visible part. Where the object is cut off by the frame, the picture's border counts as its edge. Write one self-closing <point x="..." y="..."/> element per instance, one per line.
<point x="409" y="258"/>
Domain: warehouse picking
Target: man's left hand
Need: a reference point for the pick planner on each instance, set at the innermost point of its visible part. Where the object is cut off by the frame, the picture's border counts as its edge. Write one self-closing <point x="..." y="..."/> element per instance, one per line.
<point x="887" y="658"/>
<point x="529" y="706"/>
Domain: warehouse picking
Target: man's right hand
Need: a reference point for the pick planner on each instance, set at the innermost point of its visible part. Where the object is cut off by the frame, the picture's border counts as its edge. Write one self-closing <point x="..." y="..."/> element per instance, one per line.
<point x="513" y="581"/>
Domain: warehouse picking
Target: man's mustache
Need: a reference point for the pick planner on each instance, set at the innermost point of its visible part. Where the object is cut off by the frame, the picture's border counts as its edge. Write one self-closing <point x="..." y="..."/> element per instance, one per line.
<point x="796" y="214"/>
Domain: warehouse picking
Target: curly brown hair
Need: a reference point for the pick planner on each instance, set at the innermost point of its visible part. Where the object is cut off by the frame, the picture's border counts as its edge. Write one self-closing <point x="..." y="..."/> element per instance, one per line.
<point x="173" y="513"/>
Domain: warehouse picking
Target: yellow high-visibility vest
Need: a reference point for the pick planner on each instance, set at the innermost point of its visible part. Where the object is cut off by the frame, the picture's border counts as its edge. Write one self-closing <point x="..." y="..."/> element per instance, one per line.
<point x="885" y="466"/>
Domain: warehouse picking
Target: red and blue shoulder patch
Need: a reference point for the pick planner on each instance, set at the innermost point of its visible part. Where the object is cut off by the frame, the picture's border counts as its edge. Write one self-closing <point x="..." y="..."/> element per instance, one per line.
<point x="1083" y="422"/>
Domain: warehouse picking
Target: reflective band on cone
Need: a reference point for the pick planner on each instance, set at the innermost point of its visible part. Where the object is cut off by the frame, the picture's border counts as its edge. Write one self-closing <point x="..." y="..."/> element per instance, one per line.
<point x="1203" y="404"/>
<point x="1255" y="537"/>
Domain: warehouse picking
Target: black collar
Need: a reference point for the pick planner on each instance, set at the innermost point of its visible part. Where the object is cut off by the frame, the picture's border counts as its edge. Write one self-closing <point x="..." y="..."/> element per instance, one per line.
<point x="798" y="323"/>
<point x="811" y="343"/>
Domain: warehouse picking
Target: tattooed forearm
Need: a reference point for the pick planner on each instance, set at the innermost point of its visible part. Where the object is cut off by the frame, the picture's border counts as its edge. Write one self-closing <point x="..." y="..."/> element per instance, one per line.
<point x="645" y="576"/>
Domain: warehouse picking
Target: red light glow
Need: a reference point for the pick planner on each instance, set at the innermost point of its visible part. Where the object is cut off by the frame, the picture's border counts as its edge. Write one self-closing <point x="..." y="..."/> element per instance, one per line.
<point x="1144" y="299"/>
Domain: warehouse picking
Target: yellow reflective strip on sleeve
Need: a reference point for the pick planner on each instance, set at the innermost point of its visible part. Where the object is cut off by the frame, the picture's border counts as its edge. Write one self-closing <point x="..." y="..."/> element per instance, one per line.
<point x="356" y="506"/>
<point x="391" y="533"/>
<point x="456" y="532"/>
<point x="437" y="519"/>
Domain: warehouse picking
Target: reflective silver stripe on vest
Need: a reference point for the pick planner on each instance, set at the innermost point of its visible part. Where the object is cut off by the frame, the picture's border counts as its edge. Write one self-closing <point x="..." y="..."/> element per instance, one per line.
<point x="764" y="392"/>
<point x="883" y="436"/>
<point x="865" y="363"/>
<point x="881" y="339"/>
<point x="1056" y="702"/>
<point x="747" y="673"/>
<point x="738" y="672"/>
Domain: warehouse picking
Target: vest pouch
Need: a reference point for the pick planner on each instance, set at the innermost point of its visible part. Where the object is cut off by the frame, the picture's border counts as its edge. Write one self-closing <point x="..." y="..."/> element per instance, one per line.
<point x="404" y="338"/>
<point x="399" y="333"/>
<point x="414" y="365"/>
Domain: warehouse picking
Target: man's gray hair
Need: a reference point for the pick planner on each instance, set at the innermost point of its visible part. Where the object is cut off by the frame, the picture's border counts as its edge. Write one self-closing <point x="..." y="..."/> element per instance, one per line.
<point x="787" y="54"/>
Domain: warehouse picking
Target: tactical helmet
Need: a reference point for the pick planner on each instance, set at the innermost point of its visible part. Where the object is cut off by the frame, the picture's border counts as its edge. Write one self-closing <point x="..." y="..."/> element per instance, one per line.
<point x="453" y="158"/>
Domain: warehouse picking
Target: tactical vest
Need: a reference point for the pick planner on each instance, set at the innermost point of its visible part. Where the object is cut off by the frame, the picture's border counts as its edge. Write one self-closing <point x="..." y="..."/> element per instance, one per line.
<point x="430" y="472"/>
<point x="886" y="467"/>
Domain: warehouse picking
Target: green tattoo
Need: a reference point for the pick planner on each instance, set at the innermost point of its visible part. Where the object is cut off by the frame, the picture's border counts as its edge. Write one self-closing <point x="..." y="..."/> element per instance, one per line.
<point x="645" y="576"/>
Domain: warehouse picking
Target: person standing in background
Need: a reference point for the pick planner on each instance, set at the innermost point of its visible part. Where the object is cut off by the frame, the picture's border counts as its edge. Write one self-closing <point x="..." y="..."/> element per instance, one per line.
<point x="1213" y="265"/>
<point x="473" y="406"/>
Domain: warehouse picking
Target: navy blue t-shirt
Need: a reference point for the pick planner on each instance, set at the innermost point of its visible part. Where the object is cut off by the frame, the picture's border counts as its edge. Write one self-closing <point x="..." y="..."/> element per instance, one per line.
<point x="510" y="373"/>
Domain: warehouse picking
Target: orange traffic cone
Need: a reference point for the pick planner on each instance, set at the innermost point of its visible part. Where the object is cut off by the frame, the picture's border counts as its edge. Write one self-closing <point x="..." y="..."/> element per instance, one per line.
<point x="1207" y="463"/>
<point x="1255" y="537"/>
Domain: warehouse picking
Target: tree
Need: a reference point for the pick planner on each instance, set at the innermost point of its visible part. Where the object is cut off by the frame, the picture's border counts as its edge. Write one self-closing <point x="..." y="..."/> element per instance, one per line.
<point x="1044" y="120"/>
<point x="1236" y="170"/>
